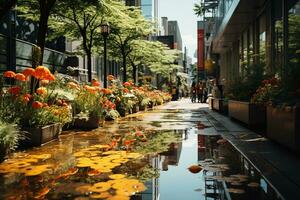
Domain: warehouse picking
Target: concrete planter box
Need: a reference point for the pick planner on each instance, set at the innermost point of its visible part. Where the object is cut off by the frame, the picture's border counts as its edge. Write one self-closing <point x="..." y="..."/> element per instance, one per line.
<point x="283" y="126"/>
<point x="252" y="115"/>
<point x="91" y="123"/>
<point x="41" y="135"/>
<point x="219" y="105"/>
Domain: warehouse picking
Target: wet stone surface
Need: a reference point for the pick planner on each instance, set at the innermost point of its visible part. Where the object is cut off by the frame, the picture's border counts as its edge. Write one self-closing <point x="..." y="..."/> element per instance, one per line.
<point x="171" y="153"/>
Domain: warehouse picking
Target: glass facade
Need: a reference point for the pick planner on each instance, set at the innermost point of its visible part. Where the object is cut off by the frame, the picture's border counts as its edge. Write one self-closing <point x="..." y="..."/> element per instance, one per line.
<point x="147" y="8"/>
<point x="270" y="38"/>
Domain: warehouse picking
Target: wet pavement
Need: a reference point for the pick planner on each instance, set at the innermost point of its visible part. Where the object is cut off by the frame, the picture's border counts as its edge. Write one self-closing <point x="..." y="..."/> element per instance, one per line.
<point x="143" y="156"/>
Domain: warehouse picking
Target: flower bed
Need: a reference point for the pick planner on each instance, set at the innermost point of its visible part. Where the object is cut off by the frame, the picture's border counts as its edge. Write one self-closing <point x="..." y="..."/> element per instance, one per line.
<point x="37" y="100"/>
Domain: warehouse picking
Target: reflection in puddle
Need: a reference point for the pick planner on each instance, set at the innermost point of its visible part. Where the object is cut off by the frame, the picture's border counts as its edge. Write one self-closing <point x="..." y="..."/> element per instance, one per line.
<point x="137" y="160"/>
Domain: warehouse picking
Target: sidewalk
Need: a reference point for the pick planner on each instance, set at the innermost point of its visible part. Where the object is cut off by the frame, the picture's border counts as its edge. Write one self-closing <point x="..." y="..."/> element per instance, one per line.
<point x="278" y="166"/>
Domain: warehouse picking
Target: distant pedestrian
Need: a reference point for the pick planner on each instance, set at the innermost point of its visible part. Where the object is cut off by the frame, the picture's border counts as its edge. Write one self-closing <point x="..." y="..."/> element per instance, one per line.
<point x="193" y="92"/>
<point x="200" y="92"/>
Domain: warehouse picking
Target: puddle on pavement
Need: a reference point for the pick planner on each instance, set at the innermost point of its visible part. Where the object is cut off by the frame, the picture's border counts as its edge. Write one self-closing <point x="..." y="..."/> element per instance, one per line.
<point x="134" y="161"/>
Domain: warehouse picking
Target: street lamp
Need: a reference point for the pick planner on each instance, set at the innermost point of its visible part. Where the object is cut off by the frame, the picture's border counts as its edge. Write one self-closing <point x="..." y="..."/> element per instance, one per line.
<point x="105" y="29"/>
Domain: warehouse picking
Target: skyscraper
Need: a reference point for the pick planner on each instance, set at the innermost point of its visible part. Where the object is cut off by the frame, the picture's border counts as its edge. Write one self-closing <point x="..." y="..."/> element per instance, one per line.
<point x="173" y="29"/>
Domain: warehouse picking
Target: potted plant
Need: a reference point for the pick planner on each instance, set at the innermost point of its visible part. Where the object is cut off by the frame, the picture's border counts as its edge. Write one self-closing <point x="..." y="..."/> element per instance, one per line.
<point x="32" y="108"/>
<point x="282" y="98"/>
<point x="240" y="92"/>
<point x="88" y="105"/>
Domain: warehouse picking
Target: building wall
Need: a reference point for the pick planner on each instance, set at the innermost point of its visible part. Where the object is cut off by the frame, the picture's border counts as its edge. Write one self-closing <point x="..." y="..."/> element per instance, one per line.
<point x="266" y="36"/>
<point x="173" y="29"/>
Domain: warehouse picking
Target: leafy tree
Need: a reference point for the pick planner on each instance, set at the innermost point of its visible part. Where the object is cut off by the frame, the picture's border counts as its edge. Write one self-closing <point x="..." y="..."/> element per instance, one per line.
<point x="154" y="55"/>
<point x="125" y="31"/>
<point x="38" y="11"/>
<point x="81" y="20"/>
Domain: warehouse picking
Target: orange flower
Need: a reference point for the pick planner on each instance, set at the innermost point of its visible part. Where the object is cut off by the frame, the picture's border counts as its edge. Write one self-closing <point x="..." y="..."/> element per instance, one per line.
<point x="9" y="74"/>
<point x="20" y="77"/>
<point x="26" y="98"/>
<point x="44" y="82"/>
<point x="41" y="91"/>
<point x="125" y="90"/>
<point x="90" y="89"/>
<point x="14" y="90"/>
<point x="50" y="77"/>
<point x="41" y="73"/>
<point x="28" y="72"/>
<point x="37" y="105"/>
<point x="126" y="84"/>
<point x="110" y="77"/>
<point x="107" y="91"/>
<point x="95" y="83"/>
<point x="73" y="85"/>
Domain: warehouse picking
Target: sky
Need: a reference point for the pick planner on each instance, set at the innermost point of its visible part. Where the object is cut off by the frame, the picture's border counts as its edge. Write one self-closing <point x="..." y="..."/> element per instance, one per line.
<point x="182" y="11"/>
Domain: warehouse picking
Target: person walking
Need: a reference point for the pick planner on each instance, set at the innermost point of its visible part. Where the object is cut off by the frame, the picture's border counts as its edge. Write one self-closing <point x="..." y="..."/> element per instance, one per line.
<point x="200" y="92"/>
<point x="193" y="92"/>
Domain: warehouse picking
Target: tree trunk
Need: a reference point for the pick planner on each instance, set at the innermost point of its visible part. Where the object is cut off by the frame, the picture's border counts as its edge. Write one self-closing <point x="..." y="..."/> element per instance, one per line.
<point x="89" y="65"/>
<point x="6" y="7"/>
<point x="134" y="73"/>
<point x="45" y="9"/>
<point x="124" y="67"/>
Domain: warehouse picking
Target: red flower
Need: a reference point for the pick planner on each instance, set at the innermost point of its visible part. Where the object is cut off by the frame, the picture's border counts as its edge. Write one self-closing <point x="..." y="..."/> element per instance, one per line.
<point x="20" y="77"/>
<point x="26" y="98"/>
<point x="14" y="90"/>
<point x="125" y="90"/>
<point x="28" y="72"/>
<point x="9" y="74"/>
<point x="37" y="105"/>
<point x="126" y="84"/>
<point x="96" y="83"/>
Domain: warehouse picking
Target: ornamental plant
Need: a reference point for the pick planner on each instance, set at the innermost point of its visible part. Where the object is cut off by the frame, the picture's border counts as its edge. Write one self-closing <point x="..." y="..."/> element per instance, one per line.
<point x="243" y="88"/>
<point x="27" y="108"/>
<point x="88" y="101"/>
<point x="121" y="94"/>
<point x="277" y="93"/>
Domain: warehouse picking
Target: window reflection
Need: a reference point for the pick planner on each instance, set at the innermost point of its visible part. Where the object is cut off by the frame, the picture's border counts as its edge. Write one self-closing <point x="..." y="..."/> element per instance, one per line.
<point x="278" y="33"/>
<point x="293" y="52"/>
<point x="262" y="40"/>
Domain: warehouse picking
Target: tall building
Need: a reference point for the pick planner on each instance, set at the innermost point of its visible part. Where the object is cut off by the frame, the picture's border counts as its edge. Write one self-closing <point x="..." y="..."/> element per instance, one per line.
<point x="173" y="29"/>
<point x="244" y="33"/>
<point x="164" y="26"/>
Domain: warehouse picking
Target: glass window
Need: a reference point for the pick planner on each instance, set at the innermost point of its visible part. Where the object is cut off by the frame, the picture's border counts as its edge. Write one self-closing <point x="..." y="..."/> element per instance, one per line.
<point x="262" y="39"/>
<point x="293" y="52"/>
<point x="251" y="46"/>
<point x="245" y="49"/>
<point x="278" y="36"/>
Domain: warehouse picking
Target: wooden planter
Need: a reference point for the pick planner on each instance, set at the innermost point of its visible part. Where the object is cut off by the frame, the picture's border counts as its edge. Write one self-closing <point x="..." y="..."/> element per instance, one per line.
<point x="219" y="105"/>
<point x="252" y="115"/>
<point x="41" y="135"/>
<point x="142" y="108"/>
<point x="122" y="112"/>
<point x="151" y="105"/>
<point x="135" y="108"/>
<point x="91" y="123"/>
<point x="283" y="126"/>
